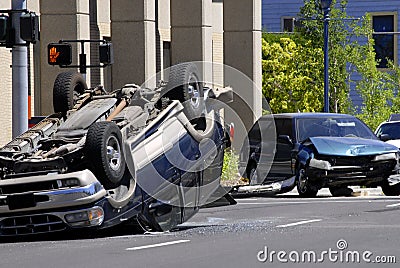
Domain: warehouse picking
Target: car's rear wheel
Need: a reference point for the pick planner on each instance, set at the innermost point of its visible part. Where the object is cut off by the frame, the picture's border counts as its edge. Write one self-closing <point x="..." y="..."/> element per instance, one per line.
<point x="184" y="85"/>
<point x="304" y="187"/>
<point x="391" y="190"/>
<point x="66" y="90"/>
<point x="103" y="149"/>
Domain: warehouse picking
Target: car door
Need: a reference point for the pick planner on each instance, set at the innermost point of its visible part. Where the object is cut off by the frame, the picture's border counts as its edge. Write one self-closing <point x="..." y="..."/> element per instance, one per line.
<point x="281" y="166"/>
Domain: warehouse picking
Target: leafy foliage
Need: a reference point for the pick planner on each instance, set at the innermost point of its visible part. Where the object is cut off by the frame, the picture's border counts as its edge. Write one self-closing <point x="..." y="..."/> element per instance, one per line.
<point x="230" y="166"/>
<point x="291" y="77"/>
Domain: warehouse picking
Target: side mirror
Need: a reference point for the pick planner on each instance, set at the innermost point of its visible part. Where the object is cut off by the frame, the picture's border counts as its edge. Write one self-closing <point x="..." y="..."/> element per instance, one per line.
<point x="384" y="137"/>
<point x="285" y="139"/>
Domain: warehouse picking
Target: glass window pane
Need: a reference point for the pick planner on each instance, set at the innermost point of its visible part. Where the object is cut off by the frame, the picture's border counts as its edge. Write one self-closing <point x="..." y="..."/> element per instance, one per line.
<point x="384" y="43"/>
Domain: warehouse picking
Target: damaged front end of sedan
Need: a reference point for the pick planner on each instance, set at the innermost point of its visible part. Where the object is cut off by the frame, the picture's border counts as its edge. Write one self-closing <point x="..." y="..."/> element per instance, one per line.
<point x="340" y="162"/>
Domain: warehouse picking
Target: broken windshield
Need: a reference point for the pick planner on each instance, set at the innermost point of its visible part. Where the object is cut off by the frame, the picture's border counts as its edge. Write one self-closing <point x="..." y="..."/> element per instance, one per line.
<point x="332" y="127"/>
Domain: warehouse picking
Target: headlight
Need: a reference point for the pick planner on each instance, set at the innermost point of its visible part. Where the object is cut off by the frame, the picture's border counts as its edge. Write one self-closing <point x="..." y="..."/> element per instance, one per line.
<point x="320" y="164"/>
<point x="384" y="157"/>
<point x="88" y="217"/>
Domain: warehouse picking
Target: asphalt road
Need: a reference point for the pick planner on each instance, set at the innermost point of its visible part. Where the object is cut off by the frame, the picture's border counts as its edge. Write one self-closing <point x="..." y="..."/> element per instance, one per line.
<point x="317" y="232"/>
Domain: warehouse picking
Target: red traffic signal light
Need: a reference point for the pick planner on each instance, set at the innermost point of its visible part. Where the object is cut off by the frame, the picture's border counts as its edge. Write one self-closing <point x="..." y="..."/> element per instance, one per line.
<point x="59" y="54"/>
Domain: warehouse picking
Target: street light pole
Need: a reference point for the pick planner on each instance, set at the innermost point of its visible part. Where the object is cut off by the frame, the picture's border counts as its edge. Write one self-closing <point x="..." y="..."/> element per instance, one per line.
<point x="325" y="4"/>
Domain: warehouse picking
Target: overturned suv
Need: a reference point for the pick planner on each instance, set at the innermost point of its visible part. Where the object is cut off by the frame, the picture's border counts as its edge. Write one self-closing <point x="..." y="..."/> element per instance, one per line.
<point x="132" y="155"/>
<point x="316" y="150"/>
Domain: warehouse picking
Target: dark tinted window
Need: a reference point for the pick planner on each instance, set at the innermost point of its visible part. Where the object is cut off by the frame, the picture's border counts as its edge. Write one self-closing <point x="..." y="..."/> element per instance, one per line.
<point x="384" y="43"/>
<point x="391" y="129"/>
<point x="284" y="127"/>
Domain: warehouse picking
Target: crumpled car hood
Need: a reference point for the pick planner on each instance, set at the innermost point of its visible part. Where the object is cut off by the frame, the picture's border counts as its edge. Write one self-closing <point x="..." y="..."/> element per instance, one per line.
<point x="349" y="146"/>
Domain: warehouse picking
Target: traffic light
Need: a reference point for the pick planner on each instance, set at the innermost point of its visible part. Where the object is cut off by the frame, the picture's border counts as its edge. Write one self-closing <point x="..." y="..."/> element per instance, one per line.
<point x="3" y="28"/>
<point x="59" y="54"/>
<point x="29" y="27"/>
<point x="106" y="53"/>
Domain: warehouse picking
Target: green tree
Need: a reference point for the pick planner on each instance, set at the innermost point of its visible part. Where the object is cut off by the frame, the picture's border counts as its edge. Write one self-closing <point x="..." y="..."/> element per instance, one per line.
<point x="291" y="76"/>
<point x="293" y="67"/>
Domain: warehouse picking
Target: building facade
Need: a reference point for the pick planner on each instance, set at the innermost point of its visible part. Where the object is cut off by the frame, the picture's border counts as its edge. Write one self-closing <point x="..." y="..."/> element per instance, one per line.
<point x="147" y="36"/>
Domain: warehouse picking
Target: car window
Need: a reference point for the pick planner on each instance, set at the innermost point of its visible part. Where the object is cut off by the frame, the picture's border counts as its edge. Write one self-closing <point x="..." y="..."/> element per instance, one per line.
<point x="284" y="127"/>
<point x="332" y="127"/>
<point x="391" y="129"/>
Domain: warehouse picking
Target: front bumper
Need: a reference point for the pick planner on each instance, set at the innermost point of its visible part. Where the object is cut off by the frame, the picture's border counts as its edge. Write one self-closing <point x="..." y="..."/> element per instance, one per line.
<point x="370" y="173"/>
<point x="48" y="192"/>
<point x="53" y="202"/>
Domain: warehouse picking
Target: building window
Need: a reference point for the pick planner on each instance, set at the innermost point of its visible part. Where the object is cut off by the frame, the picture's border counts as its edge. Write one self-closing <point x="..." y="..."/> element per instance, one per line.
<point x="166" y="50"/>
<point x="288" y="24"/>
<point x="385" y="44"/>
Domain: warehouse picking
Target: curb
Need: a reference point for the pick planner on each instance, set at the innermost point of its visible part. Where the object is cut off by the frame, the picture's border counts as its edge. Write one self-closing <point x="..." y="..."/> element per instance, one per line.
<point x="357" y="192"/>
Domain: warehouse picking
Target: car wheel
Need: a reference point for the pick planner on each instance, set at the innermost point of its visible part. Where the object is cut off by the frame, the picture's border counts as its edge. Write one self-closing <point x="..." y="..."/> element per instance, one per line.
<point x="391" y="190"/>
<point x="184" y="85"/>
<point x="103" y="149"/>
<point x="66" y="90"/>
<point x="304" y="187"/>
<point x="340" y="191"/>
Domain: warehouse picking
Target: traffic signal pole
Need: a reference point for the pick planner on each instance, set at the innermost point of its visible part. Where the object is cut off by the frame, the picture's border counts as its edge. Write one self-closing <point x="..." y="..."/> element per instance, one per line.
<point x="19" y="75"/>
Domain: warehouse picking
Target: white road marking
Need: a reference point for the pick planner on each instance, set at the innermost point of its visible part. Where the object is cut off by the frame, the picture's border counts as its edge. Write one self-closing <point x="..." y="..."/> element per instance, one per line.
<point x="159" y="245"/>
<point x="310" y="202"/>
<point x="298" y="223"/>
<point x="393" y="205"/>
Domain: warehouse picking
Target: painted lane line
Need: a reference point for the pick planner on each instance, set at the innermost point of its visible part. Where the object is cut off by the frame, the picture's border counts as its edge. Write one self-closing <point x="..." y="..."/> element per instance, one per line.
<point x="298" y="223"/>
<point x="159" y="245"/>
<point x="311" y="202"/>
<point x="393" y="205"/>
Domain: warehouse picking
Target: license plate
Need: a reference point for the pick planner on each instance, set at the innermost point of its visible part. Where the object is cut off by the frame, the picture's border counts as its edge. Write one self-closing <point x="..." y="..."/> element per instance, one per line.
<point x="19" y="201"/>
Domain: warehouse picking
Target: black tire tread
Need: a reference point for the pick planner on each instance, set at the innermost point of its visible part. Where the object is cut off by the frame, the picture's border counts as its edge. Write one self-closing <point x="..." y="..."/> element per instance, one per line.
<point x="393" y="190"/>
<point x="94" y="146"/>
<point x="63" y="88"/>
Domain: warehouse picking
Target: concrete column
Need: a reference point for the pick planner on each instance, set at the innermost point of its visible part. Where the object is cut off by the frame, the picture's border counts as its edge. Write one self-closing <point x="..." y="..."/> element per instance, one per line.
<point x="242" y="50"/>
<point x="191" y="33"/>
<point x="133" y="35"/>
<point x="67" y="19"/>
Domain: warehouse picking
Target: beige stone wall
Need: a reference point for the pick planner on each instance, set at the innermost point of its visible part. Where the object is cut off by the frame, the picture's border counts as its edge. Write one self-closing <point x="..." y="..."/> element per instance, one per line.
<point x="5" y="96"/>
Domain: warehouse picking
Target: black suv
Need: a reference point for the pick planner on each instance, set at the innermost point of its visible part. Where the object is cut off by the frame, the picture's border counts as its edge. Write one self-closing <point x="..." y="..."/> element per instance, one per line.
<point x="316" y="150"/>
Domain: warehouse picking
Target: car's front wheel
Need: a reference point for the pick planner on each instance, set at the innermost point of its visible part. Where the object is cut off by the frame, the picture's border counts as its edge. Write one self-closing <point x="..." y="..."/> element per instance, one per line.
<point x="391" y="190"/>
<point x="304" y="187"/>
<point x="103" y="150"/>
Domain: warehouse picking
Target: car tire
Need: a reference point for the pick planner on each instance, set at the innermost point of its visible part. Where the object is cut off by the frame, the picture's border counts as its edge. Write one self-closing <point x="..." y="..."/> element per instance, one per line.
<point x="393" y="190"/>
<point x="304" y="188"/>
<point x="184" y="85"/>
<point x="66" y="90"/>
<point x="340" y="191"/>
<point x="104" y="152"/>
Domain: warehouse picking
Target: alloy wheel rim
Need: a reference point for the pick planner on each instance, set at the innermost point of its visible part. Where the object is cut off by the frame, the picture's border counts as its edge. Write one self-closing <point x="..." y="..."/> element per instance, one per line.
<point x="113" y="153"/>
